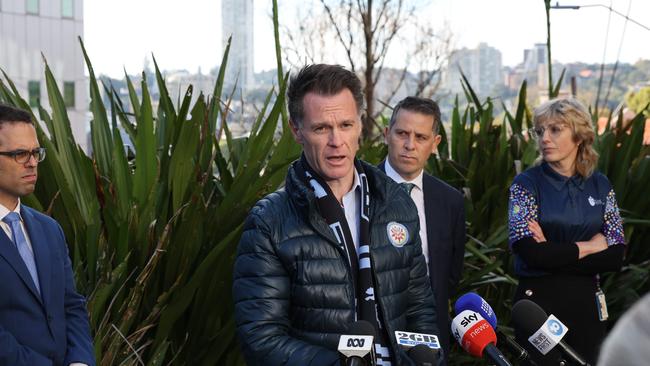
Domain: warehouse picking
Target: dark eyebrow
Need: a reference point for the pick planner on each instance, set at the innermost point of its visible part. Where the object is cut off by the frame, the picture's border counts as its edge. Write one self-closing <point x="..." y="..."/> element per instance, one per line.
<point x="19" y="151"/>
<point x="319" y="124"/>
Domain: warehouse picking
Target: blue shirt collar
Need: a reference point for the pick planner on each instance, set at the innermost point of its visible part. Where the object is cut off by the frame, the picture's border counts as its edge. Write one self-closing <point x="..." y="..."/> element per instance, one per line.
<point x="558" y="181"/>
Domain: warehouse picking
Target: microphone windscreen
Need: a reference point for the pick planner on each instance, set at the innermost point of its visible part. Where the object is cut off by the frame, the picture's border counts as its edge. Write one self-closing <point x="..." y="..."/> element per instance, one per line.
<point x="362" y="327"/>
<point x="423" y="355"/>
<point x="472" y="332"/>
<point x="527" y="316"/>
<point x="472" y="301"/>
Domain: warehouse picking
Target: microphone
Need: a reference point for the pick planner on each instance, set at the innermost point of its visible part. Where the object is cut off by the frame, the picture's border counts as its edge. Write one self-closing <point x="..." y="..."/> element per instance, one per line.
<point x="358" y="344"/>
<point x="545" y="332"/>
<point x="472" y="301"/>
<point x="477" y="337"/>
<point x="422" y="355"/>
<point x="514" y="347"/>
<point x="410" y="341"/>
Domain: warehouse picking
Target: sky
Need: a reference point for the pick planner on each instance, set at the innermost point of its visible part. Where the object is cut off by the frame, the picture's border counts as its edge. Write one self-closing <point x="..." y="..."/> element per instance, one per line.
<point x="120" y="34"/>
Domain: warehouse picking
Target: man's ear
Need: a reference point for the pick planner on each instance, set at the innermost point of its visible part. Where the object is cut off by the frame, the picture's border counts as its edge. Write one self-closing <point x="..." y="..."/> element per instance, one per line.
<point x="436" y="141"/>
<point x="386" y="132"/>
<point x="295" y="131"/>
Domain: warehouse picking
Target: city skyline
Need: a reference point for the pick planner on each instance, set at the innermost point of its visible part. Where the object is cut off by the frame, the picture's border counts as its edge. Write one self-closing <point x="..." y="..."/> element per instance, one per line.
<point x="511" y="27"/>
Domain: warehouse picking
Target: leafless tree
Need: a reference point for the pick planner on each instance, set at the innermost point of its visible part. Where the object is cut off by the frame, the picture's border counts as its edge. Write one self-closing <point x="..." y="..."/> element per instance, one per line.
<point x="305" y="42"/>
<point x="430" y="57"/>
<point x="364" y="33"/>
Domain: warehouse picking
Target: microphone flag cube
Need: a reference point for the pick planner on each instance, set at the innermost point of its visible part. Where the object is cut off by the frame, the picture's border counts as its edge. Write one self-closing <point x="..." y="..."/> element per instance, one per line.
<point x="472" y="332"/>
<point x="548" y="335"/>
<point x="355" y="345"/>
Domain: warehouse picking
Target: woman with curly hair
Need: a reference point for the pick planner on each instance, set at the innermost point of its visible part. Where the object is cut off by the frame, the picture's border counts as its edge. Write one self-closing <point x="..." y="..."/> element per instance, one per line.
<point x="565" y="228"/>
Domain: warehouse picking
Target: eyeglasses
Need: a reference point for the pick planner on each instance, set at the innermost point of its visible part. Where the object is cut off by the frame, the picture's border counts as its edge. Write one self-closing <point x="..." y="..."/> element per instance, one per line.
<point x="554" y="130"/>
<point x="23" y="156"/>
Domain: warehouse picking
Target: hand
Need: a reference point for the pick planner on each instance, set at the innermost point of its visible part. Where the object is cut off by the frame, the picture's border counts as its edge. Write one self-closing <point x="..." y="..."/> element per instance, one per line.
<point x="600" y="241"/>
<point x="596" y="244"/>
<point x="538" y="234"/>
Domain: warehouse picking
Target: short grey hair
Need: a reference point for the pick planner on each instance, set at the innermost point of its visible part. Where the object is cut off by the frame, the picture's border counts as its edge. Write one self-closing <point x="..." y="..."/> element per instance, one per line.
<point x="321" y="79"/>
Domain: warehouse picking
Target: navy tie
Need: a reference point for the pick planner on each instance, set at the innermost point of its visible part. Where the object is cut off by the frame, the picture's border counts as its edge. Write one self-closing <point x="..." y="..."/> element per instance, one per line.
<point x="13" y="220"/>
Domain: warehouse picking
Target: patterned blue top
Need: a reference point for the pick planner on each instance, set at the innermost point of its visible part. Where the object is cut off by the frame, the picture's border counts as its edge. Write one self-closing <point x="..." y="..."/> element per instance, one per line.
<point x="568" y="209"/>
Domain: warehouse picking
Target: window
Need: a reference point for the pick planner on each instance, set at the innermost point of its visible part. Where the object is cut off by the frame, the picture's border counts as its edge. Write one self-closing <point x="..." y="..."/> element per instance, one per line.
<point x="34" y="90"/>
<point x="67" y="8"/>
<point x="68" y="94"/>
<point x="32" y="6"/>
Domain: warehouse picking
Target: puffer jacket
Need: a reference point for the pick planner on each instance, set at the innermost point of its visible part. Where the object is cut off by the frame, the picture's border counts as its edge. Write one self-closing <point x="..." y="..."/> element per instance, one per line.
<point x="292" y="285"/>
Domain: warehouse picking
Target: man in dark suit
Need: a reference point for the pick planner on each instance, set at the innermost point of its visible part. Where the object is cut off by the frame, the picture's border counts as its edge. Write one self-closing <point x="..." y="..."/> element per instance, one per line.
<point x="43" y="320"/>
<point x="412" y="137"/>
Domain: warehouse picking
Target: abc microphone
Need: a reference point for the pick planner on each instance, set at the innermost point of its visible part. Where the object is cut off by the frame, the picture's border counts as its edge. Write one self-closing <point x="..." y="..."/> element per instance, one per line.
<point x="477" y="337"/>
<point x="545" y="332"/>
<point x="474" y="302"/>
<point x="358" y="344"/>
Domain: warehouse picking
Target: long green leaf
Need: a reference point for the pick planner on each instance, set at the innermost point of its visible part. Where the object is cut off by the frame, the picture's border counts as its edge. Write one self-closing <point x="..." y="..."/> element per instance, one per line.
<point x="146" y="166"/>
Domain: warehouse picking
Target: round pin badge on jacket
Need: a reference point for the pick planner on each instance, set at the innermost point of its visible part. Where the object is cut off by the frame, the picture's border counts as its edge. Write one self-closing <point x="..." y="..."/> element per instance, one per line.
<point x="398" y="234"/>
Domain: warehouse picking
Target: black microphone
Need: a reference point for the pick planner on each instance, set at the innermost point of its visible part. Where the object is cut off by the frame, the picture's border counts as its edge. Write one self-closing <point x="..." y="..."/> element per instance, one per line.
<point x="512" y="345"/>
<point x="543" y="332"/>
<point x="408" y="341"/>
<point x="358" y="343"/>
<point x="422" y="355"/>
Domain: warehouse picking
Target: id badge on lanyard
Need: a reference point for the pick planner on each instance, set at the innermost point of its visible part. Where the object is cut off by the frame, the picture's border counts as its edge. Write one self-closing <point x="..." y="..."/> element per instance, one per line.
<point x="601" y="302"/>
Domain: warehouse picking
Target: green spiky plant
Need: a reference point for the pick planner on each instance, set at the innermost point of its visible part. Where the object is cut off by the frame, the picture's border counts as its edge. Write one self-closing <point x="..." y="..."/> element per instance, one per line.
<point x="153" y="238"/>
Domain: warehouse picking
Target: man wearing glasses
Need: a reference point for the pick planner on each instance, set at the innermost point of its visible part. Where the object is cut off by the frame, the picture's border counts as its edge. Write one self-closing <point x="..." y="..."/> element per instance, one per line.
<point x="43" y="320"/>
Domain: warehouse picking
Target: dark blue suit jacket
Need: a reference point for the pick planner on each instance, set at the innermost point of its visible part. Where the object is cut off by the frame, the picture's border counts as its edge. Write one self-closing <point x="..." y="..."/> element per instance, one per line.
<point x="47" y="329"/>
<point x="445" y="217"/>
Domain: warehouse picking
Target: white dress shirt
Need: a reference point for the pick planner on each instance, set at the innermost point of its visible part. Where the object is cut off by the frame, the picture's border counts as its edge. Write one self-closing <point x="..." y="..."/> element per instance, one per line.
<point x="417" y="194"/>
<point x="353" y="210"/>
<point x="4" y="211"/>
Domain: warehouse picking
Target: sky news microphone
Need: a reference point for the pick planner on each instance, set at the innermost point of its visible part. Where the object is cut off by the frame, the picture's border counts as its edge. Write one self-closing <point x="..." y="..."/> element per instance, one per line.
<point x="423" y="355"/>
<point x="544" y="332"/>
<point x="472" y="301"/>
<point x="358" y="345"/>
<point x="477" y="337"/>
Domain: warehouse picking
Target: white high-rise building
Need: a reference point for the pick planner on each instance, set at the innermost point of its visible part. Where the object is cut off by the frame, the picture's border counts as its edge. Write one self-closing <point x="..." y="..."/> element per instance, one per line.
<point x="51" y="27"/>
<point x="482" y="68"/>
<point x="237" y="20"/>
<point x="536" y="64"/>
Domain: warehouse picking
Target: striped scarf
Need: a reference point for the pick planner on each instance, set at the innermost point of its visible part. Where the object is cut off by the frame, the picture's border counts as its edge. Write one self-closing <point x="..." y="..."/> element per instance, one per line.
<point x="359" y="261"/>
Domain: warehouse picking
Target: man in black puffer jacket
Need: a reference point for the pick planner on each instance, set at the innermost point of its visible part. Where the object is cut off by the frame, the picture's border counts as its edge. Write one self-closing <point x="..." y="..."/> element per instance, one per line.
<point x="307" y="269"/>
